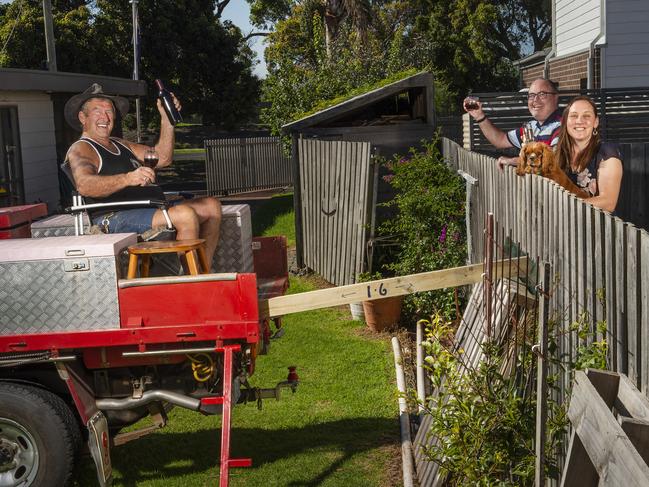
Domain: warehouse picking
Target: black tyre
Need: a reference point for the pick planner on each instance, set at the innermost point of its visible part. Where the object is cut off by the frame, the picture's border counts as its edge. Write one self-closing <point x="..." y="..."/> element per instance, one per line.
<point x="39" y="437"/>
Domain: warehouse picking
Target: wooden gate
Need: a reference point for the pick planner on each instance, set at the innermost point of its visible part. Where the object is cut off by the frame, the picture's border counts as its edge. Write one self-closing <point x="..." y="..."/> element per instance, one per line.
<point x="336" y="180"/>
<point x="246" y="164"/>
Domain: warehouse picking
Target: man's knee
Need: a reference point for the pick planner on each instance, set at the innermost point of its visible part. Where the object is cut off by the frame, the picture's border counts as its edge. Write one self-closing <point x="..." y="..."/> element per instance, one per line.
<point x="208" y="209"/>
<point x="211" y="207"/>
<point x="183" y="216"/>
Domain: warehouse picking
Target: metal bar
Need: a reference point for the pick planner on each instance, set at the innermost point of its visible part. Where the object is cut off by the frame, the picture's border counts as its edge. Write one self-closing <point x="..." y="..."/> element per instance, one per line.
<point x="176" y="351"/>
<point x="542" y="377"/>
<point x="488" y="272"/>
<point x="225" y="424"/>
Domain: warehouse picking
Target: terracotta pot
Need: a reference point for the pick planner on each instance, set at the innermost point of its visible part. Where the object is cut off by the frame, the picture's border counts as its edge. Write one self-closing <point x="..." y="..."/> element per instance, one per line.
<point x="382" y="314"/>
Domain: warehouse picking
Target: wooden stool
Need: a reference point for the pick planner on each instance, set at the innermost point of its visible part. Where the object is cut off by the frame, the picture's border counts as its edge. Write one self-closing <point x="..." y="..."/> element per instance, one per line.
<point x="146" y="249"/>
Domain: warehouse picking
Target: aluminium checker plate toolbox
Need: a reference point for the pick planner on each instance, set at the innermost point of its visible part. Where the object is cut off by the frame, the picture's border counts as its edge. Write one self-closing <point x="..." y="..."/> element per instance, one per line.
<point x="60" y="283"/>
<point x="233" y="254"/>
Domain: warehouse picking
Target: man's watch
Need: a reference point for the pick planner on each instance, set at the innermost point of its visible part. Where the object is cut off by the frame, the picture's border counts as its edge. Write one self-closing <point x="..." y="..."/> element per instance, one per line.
<point x="481" y="120"/>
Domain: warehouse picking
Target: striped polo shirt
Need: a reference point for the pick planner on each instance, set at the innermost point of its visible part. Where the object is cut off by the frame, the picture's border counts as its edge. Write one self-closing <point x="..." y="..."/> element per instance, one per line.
<point x="547" y="132"/>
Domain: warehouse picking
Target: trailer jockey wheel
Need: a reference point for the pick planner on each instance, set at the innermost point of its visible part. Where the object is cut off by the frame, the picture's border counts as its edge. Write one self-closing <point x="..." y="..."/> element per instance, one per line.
<point x="39" y="437"/>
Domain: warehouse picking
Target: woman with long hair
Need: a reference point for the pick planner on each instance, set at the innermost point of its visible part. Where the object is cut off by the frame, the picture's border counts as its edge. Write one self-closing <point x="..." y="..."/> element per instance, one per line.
<point x="591" y="164"/>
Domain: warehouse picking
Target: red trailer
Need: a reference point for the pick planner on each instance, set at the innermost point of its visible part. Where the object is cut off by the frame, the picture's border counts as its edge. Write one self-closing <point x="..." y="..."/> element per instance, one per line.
<point x="84" y="353"/>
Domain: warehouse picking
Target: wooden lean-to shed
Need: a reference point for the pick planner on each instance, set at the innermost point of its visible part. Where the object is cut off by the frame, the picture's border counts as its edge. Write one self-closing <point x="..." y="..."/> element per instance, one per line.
<point x="337" y="179"/>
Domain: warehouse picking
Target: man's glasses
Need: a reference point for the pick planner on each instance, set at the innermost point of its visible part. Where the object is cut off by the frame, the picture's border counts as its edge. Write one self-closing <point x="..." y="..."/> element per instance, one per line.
<point x="541" y="95"/>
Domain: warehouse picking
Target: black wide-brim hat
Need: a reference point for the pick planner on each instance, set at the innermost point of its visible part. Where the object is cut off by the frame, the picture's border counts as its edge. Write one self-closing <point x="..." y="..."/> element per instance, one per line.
<point x="74" y="104"/>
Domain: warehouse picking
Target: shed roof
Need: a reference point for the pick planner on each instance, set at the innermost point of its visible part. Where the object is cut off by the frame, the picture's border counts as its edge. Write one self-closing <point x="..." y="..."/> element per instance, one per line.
<point x="418" y="80"/>
<point x="61" y="82"/>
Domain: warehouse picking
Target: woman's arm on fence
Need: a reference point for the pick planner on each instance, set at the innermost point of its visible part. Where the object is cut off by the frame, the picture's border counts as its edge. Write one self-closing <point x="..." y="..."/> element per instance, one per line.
<point x="609" y="180"/>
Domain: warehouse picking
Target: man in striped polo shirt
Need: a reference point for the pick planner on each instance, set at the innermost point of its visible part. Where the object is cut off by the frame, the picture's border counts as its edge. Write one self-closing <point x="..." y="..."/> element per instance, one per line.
<point x="542" y="101"/>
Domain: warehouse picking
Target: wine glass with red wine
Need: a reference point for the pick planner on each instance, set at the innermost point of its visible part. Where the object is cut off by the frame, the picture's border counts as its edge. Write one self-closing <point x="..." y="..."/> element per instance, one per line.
<point x="150" y="158"/>
<point x="471" y="103"/>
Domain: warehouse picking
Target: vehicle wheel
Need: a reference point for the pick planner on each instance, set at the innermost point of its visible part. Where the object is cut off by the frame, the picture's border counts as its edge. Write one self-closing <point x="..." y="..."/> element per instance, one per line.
<point x="38" y="437"/>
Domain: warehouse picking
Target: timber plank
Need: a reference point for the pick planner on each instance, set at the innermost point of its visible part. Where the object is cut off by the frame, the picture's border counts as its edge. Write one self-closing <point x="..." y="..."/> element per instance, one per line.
<point x="616" y="460"/>
<point x="643" y="322"/>
<point x="633" y="304"/>
<point x="369" y="291"/>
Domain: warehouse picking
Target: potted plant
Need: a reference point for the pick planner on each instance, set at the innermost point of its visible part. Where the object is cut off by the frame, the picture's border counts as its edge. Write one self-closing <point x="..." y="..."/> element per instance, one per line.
<point x="380" y="314"/>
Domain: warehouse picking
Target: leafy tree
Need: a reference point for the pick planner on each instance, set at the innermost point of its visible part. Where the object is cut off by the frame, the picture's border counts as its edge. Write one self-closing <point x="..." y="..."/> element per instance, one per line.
<point x="471" y="43"/>
<point x="467" y="44"/>
<point x="22" y="35"/>
<point x="302" y="74"/>
<point x="205" y="61"/>
<point x="265" y="13"/>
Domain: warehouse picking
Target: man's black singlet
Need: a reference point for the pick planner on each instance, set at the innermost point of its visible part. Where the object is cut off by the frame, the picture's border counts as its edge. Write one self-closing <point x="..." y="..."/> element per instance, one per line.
<point x="119" y="162"/>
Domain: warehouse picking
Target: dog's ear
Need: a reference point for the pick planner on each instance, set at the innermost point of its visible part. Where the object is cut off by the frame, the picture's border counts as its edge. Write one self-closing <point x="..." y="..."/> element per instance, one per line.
<point x="522" y="161"/>
<point x="548" y="160"/>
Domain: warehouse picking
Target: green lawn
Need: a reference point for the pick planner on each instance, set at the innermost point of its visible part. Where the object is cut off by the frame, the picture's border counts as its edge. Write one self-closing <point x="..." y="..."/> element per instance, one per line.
<point x="340" y="428"/>
<point x="275" y="217"/>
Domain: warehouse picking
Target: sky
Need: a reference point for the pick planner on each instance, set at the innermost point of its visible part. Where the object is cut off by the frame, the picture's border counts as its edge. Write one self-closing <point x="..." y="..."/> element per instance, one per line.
<point x="238" y="11"/>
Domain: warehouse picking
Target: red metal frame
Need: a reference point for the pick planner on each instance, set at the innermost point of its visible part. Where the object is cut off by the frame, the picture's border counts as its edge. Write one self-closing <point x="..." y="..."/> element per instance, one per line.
<point x="212" y="311"/>
<point x="139" y="337"/>
<point x="226" y="401"/>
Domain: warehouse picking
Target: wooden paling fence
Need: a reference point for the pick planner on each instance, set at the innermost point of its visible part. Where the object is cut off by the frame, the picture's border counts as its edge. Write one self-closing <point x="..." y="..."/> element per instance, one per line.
<point x="246" y="164"/>
<point x="599" y="262"/>
<point x="336" y="190"/>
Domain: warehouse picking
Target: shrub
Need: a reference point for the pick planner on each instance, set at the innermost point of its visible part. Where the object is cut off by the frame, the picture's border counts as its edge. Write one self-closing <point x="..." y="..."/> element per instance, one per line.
<point x="428" y="226"/>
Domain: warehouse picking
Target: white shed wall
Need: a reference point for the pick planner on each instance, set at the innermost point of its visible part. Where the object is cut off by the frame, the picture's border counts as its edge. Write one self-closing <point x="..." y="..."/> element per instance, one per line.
<point x="577" y="23"/>
<point x="38" y="145"/>
<point x="626" y="54"/>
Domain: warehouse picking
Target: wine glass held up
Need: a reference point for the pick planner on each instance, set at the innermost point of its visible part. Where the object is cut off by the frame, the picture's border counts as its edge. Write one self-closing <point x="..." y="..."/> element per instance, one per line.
<point x="471" y="103"/>
<point x="150" y="158"/>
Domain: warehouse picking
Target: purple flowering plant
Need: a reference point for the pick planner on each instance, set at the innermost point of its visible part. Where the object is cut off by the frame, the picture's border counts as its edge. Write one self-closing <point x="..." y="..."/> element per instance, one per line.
<point x="428" y="224"/>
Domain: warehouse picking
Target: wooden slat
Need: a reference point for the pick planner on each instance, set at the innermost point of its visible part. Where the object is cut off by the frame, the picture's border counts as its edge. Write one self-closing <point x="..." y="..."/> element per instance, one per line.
<point x="633" y="305"/>
<point x="610" y="450"/>
<point x="369" y="291"/>
<point x="643" y="322"/>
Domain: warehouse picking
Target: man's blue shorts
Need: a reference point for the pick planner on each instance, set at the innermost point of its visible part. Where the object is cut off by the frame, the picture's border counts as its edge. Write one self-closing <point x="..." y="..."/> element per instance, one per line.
<point x="137" y="220"/>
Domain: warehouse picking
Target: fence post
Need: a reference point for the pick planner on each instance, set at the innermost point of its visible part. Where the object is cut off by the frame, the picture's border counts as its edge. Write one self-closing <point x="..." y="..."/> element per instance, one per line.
<point x="603" y="127"/>
<point x="542" y="376"/>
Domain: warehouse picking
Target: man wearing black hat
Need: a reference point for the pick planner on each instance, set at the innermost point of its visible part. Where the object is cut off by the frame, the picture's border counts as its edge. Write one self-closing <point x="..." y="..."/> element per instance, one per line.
<point x="107" y="169"/>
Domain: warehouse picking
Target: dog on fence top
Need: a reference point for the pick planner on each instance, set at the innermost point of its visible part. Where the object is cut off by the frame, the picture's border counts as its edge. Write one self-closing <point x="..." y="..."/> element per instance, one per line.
<point x="538" y="158"/>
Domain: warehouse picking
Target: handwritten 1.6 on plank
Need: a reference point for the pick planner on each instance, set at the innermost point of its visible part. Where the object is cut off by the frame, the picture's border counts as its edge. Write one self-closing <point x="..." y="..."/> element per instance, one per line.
<point x="381" y="290"/>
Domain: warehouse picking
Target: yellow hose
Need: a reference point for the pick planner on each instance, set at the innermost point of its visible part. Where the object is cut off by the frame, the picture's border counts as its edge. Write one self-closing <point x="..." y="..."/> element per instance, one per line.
<point x="202" y="366"/>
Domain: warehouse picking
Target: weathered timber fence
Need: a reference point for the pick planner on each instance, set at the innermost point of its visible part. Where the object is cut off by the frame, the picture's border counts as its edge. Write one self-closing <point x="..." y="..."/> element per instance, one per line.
<point x="336" y="183"/>
<point x="246" y="164"/>
<point x="600" y="262"/>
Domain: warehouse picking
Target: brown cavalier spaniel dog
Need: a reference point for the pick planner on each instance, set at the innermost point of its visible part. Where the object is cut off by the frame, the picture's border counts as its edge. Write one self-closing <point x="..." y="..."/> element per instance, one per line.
<point x="538" y="158"/>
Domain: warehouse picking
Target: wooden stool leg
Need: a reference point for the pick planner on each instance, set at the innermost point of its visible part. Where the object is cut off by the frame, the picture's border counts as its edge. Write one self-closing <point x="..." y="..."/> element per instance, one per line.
<point x="132" y="266"/>
<point x="191" y="263"/>
<point x="146" y="265"/>
<point x="202" y="258"/>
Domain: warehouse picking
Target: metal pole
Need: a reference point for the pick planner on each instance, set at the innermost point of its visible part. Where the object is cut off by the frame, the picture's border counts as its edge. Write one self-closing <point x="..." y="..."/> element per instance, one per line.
<point x="489" y="262"/>
<point x="49" y="36"/>
<point x="542" y="377"/>
<point x="136" y="63"/>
